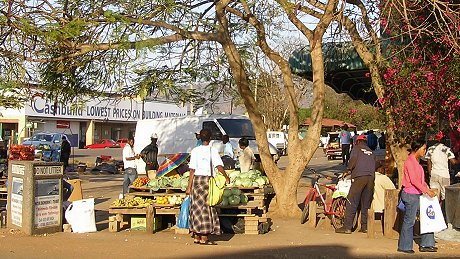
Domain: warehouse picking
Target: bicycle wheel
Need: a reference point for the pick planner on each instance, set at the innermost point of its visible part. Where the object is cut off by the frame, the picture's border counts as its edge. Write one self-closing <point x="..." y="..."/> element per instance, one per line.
<point x="304" y="217"/>
<point x="338" y="218"/>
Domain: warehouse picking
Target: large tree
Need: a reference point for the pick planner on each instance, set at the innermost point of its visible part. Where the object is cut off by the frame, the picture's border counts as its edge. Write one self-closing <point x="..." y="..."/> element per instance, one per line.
<point x="76" y="47"/>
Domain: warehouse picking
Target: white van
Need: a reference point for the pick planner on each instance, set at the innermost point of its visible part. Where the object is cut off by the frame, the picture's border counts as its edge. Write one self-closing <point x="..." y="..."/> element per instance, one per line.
<point x="177" y="134"/>
<point x="278" y="139"/>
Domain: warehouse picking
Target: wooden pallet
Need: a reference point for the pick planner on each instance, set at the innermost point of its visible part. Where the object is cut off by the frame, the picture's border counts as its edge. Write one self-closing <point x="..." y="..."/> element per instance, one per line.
<point x="123" y="215"/>
<point x="251" y="222"/>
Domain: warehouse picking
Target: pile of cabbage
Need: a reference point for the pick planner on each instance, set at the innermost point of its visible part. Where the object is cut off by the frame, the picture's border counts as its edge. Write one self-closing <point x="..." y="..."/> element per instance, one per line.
<point x="233" y="196"/>
<point x="253" y="178"/>
<point x="172" y="181"/>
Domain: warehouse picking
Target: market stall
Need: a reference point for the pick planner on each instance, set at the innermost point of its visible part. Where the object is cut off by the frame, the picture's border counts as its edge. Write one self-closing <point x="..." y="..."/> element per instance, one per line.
<point x="247" y="197"/>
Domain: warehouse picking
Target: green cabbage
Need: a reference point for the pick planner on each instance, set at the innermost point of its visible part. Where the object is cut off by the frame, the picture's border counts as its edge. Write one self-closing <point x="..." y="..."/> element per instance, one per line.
<point x="224" y="201"/>
<point x="234" y="200"/>
<point x="227" y="192"/>
<point x="246" y="182"/>
<point x="236" y="191"/>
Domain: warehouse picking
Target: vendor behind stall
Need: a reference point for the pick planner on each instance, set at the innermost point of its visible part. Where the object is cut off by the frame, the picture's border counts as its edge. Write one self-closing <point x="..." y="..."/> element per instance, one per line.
<point x="150" y="156"/>
<point x="247" y="157"/>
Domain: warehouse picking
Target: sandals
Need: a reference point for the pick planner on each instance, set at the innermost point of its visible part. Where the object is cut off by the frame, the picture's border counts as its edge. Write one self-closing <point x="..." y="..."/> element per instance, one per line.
<point x="196" y="241"/>
<point x="207" y="242"/>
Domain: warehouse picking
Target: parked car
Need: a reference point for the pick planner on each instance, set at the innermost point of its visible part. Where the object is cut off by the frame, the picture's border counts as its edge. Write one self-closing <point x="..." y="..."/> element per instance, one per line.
<point x="122" y="142"/>
<point x="103" y="143"/>
<point x="47" y="144"/>
<point x="333" y="148"/>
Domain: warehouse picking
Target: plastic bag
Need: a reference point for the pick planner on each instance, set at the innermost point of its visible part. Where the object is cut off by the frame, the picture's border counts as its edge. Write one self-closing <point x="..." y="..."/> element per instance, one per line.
<point x="182" y="221"/>
<point x="431" y="218"/>
<point x="80" y="215"/>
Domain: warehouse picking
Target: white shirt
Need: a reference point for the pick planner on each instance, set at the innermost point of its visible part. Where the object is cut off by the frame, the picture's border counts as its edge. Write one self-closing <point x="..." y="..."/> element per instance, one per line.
<point x="228" y="150"/>
<point x="246" y="160"/>
<point x="128" y="151"/>
<point x="439" y="154"/>
<point x="200" y="160"/>
<point x="381" y="183"/>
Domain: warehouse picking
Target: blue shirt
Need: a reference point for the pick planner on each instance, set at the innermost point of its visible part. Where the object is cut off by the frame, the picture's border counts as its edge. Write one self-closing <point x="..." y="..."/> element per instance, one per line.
<point x="228" y="150"/>
<point x="345" y="137"/>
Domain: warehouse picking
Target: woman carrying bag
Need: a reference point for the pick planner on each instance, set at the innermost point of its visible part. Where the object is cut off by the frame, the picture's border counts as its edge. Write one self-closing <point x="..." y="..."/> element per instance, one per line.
<point x="414" y="186"/>
<point x="203" y="218"/>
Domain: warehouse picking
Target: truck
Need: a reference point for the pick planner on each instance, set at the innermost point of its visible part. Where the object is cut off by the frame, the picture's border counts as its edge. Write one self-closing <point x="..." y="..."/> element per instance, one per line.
<point x="279" y="139"/>
<point x="177" y="134"/>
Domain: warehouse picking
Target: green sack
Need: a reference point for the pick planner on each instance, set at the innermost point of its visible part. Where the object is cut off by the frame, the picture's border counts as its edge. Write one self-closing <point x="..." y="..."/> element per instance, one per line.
<point x="216" y="189"/>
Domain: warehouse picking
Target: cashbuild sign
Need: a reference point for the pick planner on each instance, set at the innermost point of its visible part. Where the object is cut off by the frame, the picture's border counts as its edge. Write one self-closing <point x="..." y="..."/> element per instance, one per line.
<point x="106" y="109"/>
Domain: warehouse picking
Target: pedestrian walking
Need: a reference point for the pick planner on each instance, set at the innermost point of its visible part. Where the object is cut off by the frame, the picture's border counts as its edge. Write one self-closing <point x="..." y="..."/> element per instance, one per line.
<point x="66" y="149"/>
<point x="345" y="142"/>
<point x="414" y="185"/>
<point x="204" y="220"/>
<point x="362" y="168"/>
<point x="439" y="155"/>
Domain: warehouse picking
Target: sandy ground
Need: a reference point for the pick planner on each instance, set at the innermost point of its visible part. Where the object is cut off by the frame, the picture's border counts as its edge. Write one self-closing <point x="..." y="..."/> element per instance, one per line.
<point x="287" y="239"/>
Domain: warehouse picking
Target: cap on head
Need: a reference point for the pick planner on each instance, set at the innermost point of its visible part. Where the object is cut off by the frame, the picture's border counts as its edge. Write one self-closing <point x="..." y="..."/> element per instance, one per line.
<point x="362" y="137"/>
<point x="154" y="135"/>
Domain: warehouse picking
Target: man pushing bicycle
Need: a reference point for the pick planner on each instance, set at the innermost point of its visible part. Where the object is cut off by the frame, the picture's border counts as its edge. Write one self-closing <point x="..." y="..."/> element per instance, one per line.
<point x="362" y="168"/>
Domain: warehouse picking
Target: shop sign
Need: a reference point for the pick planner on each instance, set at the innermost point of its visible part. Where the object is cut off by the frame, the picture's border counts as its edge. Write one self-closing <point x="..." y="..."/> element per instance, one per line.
<point x="16" y="201"/>
<point x="47" y="203"/>
<point x="48" y="170"/>
<point x="63" y="124"/>
<point x="106" y="109"/>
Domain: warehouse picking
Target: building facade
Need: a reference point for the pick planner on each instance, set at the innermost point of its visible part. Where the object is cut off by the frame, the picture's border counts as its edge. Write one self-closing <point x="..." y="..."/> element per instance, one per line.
<point x="86" y="122"/>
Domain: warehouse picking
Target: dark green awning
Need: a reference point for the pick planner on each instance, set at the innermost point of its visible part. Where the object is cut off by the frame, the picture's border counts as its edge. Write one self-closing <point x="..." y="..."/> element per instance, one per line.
<point x="345" y="70"/>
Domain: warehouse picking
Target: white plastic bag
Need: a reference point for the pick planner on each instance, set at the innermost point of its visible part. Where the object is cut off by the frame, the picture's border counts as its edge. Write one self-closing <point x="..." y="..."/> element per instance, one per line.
<point x="80" y="215"/>
<point x="431" y="218"/>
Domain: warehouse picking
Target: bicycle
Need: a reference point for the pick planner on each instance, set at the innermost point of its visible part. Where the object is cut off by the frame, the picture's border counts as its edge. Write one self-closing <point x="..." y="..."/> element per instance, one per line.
<point x="335" y="208"/>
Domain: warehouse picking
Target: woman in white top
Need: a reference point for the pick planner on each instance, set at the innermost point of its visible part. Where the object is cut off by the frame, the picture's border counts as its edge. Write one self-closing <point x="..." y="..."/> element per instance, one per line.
<point x="203" y="218"/>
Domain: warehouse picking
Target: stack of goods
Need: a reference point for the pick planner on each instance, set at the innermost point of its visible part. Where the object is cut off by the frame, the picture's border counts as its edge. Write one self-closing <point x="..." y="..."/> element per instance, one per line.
<point x="253" y="178"/>
<point x="21" y="152"/>
<point x="141" y="181"/>
<point x="233" y="196"/>
<point x="174" y="181"/>
<point x="137" y="202"/>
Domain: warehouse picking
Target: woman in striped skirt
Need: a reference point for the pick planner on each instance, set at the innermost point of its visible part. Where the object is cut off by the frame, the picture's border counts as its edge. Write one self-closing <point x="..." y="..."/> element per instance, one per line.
<point x="203" y="218"/>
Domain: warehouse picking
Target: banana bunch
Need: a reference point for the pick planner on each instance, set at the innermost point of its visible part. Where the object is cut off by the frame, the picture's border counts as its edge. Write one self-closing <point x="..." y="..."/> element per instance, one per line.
<point x="132" y="202"/>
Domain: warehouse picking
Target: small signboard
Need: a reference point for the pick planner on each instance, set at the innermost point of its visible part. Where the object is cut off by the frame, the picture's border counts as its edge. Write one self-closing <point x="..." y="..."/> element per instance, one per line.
<point x="48" y="170"/>
<point x="47" y="206"/>
<point x="18" y="169"/>
<point x="16" y="201"/>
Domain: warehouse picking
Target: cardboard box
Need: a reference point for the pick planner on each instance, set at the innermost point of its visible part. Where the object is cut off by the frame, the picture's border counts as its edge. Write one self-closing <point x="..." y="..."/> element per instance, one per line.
<point x="77" y="193"/>
<point x="139" y="223"/>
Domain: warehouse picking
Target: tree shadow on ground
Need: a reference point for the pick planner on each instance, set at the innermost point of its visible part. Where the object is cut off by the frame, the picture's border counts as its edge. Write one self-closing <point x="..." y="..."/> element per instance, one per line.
<point x="292" y="252"/>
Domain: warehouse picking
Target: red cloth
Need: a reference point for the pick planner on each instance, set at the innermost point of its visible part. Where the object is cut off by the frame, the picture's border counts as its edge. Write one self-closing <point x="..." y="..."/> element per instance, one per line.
<point x="414" y="177"/>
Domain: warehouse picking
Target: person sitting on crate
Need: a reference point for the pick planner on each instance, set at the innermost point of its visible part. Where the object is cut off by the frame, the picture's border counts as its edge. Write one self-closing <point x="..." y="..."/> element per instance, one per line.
<point x="149" y="154"/>
<point x="362" y="168"/>
<point x="203" y="218"/>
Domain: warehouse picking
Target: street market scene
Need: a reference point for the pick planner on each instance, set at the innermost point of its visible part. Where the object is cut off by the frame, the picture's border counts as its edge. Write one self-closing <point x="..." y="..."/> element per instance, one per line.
<point x="196" y="129"/>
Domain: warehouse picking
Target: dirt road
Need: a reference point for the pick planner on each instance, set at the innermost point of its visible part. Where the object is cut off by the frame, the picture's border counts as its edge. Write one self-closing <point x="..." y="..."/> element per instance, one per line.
<point x="287" y="239"/>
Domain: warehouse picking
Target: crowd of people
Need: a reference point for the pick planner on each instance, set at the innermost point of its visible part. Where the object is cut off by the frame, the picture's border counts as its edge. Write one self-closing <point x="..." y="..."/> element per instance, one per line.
<point x="369" y="182"/>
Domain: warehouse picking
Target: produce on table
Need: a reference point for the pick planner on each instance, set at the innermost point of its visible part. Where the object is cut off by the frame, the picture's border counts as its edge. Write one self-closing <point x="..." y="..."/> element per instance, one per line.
<point x="133" y="202"/>
<point x="141" y="181"/>
<point x="175" y="181"/>
<point x="253" y="178"/>
<point x="169" y="199"/>
<point x="233" y="196"/>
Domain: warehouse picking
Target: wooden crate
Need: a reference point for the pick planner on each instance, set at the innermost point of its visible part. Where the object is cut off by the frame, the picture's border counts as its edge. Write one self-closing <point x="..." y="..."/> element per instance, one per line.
<point x="122" y="216"/>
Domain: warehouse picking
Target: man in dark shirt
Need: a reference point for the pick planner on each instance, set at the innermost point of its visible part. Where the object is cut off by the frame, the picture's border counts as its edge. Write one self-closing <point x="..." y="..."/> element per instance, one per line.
<point x="372" y="141"/>
<point x="65" y="152"/>
<point x="149" y="154"/>
<point x="362" y="168"/>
